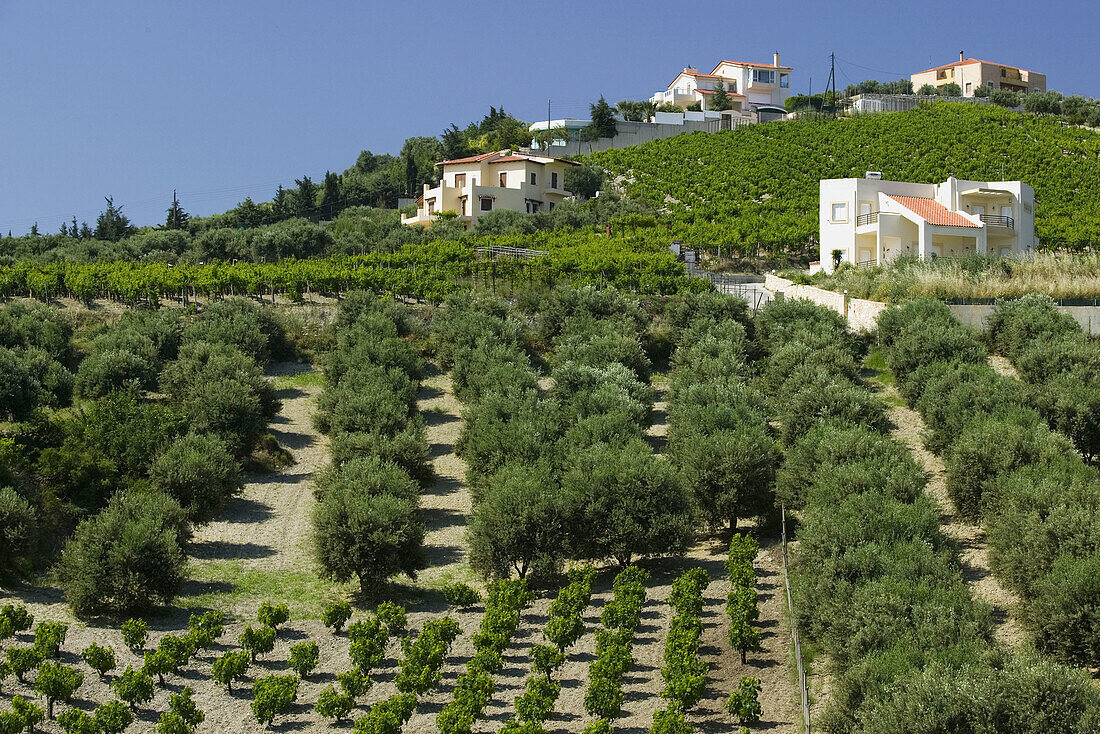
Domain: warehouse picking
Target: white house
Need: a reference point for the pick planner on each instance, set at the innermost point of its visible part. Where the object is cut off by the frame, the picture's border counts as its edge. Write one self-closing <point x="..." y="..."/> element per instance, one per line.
<point x="503" y="179"/>
<point x="750" y="86"/>
<point x="871" y="221"/>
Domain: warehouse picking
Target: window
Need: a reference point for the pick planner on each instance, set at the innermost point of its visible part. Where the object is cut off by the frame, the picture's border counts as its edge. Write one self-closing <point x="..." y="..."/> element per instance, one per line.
<point x="532" y="206"/>
<point x="460" y="180"/>
<point x="785" y="80"/>
<point x="486" y="203"/>
<point x="763" y="76"/>
<point x="1004" y="73"/>
<point x="431" y="206"/>
<point x="840" y="212"/>
<point x="551" y="206"/>
<point x="533" y="179"/>
<point x="554" y="180"/>
<point x="503" y="180"/>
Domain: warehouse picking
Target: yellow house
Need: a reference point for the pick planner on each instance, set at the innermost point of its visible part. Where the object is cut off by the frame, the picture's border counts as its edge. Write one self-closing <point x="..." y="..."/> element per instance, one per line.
<point x="473" y="186"/>
<point x="970" y="74"/>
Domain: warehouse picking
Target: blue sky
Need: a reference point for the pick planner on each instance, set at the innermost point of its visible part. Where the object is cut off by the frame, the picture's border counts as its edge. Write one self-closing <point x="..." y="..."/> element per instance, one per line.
<point x="223" y="100"/>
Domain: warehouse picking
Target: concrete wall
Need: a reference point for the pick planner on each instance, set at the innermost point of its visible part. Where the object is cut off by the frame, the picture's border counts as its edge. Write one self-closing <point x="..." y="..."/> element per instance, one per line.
<point x="863" y="315"/>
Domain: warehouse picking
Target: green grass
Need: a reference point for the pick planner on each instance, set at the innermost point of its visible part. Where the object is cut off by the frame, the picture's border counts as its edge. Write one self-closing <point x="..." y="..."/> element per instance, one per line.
<point x="311" y="378"/>
<point x="303" y="591"/>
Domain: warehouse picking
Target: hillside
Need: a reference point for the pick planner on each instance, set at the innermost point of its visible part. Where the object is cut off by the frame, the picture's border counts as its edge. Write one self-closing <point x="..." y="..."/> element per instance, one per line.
<point x="756" y="188"/>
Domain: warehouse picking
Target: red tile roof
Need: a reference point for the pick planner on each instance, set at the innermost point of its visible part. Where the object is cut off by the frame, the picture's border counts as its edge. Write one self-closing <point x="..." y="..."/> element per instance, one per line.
<point x="933" y="212"/>
<point x="749" y="64"/>
<point x="497" y="156"/>
<point x="967" y="62"/>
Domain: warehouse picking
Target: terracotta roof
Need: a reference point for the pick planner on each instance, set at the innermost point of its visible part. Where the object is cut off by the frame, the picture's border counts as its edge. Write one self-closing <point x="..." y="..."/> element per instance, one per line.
<point x="750" y="64"/>
<point x="933" y="212"/>
<point x="497" y="156"/>
<point x="967" y="62"/>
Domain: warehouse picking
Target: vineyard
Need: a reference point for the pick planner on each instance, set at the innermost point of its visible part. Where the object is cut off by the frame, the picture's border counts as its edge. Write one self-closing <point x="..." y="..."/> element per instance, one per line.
<point x="624" y="460"/>
<point x="755" y="188"/>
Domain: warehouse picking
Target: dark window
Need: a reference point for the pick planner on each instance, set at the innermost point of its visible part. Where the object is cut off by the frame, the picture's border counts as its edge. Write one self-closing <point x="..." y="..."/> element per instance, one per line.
<point x="487" y="203"/>
<point x="551" y="206"/>
<point x="533" y="178"/>
<point x="503" y="180"/>
<point x="460" y="180"/>
<point x="554" y="180"/>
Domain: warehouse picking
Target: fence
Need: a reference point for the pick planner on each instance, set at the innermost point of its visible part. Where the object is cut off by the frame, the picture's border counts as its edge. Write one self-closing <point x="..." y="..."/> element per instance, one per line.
<point x="795" y="639"/>
<point x="748" y="287"/>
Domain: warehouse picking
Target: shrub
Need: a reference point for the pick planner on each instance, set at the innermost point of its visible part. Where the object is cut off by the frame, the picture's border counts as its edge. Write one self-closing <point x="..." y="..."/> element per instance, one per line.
<point x="172" y="723"/>
<point x="537" y="702"/>
<point x="115" y="369"/>
<point x="159" y="663"/>
<point x="17" y="617"/>
<point x="546" y="659"/>
<point x="272" y="695"/>
<point x="368" y="644"/>
<point x="56" y="681"/>
<point x="272" y="615"/>
<point x="22" y="660"/>
<point x="1016" y="324"/>
<point x="231" y="666"/>
<point x="24" y="715"/>
<point x="257" y="641"/>
<point x="743" y="703"/>
<point x="112" y="717"/>
<point x="830" y="399"/>
<point x="100" y="659"/>
<point x="336" y="615"/>
<point x="18" y="526"/>
<point x="134" y="633"/>
<point x="670" y="721"/>
<point x="333" y="705"/>
<point x="392" y="616"/>
<point x="75" y="721"/>
<point x="126" y="558"/>
<point x="182" y="705"/>
<point x="303" y="658"/>
<point x="206" y="628"/>
<point x="49" y="636"/>
<point x="461" y="595"/>
<point x="1064" y="610"/>
<point x="229" y="410"/>
<point x="387" y="716"/>
<point x="354" y="683"/>
<point x="198" y="472"/>
<point x="424" y="656"/>
<point x="242" y="323"/>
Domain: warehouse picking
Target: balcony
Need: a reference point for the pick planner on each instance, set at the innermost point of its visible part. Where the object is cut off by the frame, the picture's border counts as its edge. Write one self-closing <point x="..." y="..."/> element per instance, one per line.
<point x="996" y="220"/>
<point x="868" y="218"/>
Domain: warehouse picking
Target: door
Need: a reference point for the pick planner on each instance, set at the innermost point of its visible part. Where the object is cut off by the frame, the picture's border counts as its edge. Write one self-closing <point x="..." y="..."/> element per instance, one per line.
<point x="1006" y="212"/>
<point x="979" y="209"/>
<point x="864" y="207"/>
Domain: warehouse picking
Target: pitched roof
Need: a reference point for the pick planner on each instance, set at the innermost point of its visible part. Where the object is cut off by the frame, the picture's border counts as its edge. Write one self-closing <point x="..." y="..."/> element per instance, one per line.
<point x="498" y="156"/>
<point x="752" y="64"/>
<point x="933" y="212"/>
<point x="967" y="62"/>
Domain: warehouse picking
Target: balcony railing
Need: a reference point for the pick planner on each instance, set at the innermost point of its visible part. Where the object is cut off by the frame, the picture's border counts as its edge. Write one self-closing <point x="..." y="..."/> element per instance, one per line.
<point x="996" y="220"/>
<point x="868" y="218"/>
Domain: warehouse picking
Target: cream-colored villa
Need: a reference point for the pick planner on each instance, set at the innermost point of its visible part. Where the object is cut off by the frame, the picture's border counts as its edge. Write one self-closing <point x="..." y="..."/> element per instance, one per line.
<point x="473" y="186"/>
<point x="750" y="86"/>
<point x="970" y="74"/>
<point x="871" y="221"/>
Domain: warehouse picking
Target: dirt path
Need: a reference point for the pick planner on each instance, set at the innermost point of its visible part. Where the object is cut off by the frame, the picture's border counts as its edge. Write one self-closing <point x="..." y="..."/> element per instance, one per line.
<point x="265" y="531"/>
<point x="1002" y="366"/>
<point x="447" y="504"/>
<point x="973" y="548"/>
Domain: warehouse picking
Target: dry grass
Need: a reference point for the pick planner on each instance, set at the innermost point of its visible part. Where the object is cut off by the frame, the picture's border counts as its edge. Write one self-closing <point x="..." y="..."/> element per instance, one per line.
<point x="1058" y="275"/>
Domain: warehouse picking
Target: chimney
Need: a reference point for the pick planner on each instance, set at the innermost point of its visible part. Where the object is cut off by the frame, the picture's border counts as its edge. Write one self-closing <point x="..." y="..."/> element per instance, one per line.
<point x="960" y="57"/>
<point x="775" y="59"/>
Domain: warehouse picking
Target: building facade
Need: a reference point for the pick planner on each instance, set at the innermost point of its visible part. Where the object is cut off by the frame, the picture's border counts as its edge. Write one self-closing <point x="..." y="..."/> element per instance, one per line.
<point x="750" y="86"/>
<point x="970" y="74"/>
<point x="471" y="187"/>
<point x="871" y="221"/>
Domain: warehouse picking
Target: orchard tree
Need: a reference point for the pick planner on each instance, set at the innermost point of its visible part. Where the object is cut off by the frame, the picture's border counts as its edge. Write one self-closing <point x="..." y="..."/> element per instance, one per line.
<point x="199" y="472"/>
<point x="303" y="658"/>
<point x="56" y="681"/>
<point x="272" y="695"/>
<point x="230" y="667"/>
<point x="336" y="615"/>
<point x="112" y="717"/>
<point x="100" y="659"/>
<point x="729" y="473"/>
<point x="584" y="181"/>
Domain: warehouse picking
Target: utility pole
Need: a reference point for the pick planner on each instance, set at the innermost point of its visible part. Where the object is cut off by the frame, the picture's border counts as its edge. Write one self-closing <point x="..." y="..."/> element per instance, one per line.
<point x="831" y="81"/>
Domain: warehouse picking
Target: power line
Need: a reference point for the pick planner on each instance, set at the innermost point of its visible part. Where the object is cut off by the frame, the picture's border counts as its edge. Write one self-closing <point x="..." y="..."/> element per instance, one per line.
<point x="868" y="68"/>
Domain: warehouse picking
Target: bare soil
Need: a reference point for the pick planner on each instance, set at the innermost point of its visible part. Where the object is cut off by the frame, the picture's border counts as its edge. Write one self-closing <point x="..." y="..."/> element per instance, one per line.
<point x="970" y="539"/>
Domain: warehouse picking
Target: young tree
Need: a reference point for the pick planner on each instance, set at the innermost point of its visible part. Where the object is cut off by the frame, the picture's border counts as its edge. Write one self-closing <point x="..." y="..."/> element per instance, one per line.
<point x="134" y="633"/>
<point x="100" y="659"/>
<point x="22" y="660"/>
<point x="333" y="705"/>
<point x="230" y="667"/>
<point x="56" y="681"/>
<point x="258" y="641"/>
<point x="336" y="615"/>
<point x="49" y="636"/>
<point x="157" y="662"/>
<point x="303" y="658"/>
<point x="272" y="695"/>
<point x="743" y="702"/>
<point x="584" y="181"/>
<point x="272" y="615"/>
<point x="112" y="717"/>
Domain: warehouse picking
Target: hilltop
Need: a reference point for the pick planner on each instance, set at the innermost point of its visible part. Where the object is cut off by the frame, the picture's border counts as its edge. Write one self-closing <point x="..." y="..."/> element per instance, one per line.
<point x="756" y="188"/>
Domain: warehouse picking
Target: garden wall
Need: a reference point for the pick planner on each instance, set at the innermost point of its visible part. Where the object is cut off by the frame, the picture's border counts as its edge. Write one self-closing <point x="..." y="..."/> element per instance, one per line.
<point x="862" y="314"/>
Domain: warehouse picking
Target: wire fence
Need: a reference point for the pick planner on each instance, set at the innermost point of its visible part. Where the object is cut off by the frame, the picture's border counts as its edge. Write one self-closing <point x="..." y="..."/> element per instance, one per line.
<point x="795" y="639"/>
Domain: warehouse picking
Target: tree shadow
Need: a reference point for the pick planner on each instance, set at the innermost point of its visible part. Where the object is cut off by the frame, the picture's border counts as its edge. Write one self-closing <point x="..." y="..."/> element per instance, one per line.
<point x="210" y="550"/>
